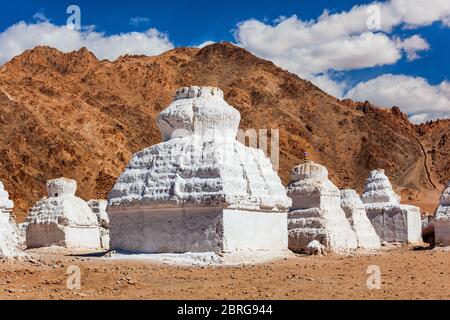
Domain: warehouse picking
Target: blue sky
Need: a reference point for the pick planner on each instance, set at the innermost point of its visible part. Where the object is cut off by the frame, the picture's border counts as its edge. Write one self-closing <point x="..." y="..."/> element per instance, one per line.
<point x="399" y="63"/>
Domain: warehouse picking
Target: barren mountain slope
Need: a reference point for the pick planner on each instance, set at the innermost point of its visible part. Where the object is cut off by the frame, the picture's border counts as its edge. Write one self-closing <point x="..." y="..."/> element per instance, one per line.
<point x="436" y="139"/>
<point x="73" y="115"/>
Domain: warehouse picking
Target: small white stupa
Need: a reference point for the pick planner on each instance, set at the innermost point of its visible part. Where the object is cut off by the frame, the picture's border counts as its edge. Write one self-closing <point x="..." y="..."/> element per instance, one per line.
<point x="98" y="207"/>
<point x="62" y="219"/>
<point x="200" y="190"/>
<point x="392" y="221"/>
<point x="316" y="212"/>
<point x="9" y="239"/>
<point x="442" y="219"/>
<point x="356" y="214"/>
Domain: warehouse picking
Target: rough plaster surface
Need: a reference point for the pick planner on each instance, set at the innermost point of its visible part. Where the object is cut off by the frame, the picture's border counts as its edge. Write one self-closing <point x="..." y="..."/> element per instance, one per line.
<point x="197" y="229"/>
<point x="200" y="162"/>
<point x="98" y="207"/>
<point x="442" y="219"/>
<point x="356" y="214"/>
<point x="392" y="221"/>
<point x="62" y="219"/>
<point x="200" y="190"/>
<point x="9" y="237"/>
<point x="316" y="212"/>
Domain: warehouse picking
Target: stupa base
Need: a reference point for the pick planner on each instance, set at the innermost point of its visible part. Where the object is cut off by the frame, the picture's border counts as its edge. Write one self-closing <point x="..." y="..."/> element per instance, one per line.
<point x="327" y="226"/>
<point x="47" y="235"/>
<point x="196" y="230"/>
<point x="396" y="223"/>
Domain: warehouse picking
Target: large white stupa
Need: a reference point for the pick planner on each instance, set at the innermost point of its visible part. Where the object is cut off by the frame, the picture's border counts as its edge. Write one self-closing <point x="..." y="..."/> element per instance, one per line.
<point x="62" y="219"/>
<point x="392" y="221"/>
<point x="316" y="213"/>
<point x="200" y="190"/>
<point x="442" y="219"/>
<point x="9" y="239"/>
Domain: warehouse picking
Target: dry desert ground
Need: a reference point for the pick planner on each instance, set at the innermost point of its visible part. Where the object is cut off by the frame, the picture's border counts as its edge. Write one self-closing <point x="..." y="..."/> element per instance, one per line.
<point x="406" y="273"/>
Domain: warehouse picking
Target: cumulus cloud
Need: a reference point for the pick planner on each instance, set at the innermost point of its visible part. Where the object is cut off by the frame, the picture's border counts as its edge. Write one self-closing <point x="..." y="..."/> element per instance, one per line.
<point x="22" y="36"/>
<point x="343" y="41"/>
<point x="414" y="95"/>
<point x="413" y="45"/>
<point x="300" y="48"/>
<point x="327" y="84"/>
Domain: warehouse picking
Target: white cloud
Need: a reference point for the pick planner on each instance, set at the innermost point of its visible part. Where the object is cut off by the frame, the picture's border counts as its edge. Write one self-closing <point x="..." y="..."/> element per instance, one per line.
<point x="22" y="36"/>
<point x="328" y="85"/>
<point x="294" y="45"/>
<point x="342" y="41"/>
<point x="413" y="45"/>
<point x="414" y="95"/>
<point x="416" y="13"/>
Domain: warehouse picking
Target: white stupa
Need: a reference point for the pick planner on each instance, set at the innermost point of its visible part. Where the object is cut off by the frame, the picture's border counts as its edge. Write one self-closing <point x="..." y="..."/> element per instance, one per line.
<point x="62" y="219"/>
<point x="98" y="207"/>
<point x="442" y="219"/>
<point x="356" y="214"/>
<point x="392" y="221"/>
<point x="9" y="239"/>
<point x="200" y="190"/>
<point x="316" y="212"/>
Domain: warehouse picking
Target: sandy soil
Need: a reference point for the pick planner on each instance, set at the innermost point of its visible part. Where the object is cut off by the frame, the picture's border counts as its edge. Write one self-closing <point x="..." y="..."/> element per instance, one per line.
<point x="405" y="274"/>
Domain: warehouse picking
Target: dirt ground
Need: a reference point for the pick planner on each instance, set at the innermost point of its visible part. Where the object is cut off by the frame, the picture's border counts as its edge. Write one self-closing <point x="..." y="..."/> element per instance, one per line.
<point x="405" y="274"/>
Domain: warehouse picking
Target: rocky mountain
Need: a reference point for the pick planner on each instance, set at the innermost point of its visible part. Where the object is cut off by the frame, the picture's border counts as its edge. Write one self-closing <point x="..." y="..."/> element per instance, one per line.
<point x="70" y="114"/>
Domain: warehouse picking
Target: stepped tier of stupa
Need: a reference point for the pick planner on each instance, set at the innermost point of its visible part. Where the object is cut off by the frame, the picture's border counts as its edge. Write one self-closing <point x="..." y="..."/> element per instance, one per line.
<point x="98" y="207"/>
<point x="356" y="214"/>
<point x="200" y="190"/>
<point x="442" y="219"/>
<point x="392" y="221"/>
<point x="62" y="219"/>
<point x="316" y="212"/>
<point x="9" y="239"/>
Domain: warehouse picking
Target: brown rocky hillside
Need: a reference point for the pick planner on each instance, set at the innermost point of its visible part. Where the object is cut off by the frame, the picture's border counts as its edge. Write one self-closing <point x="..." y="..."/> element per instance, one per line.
<point x="75" y="116"/>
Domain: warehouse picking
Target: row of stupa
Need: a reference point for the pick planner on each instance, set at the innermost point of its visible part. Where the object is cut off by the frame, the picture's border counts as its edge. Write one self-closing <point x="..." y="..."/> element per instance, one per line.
<point x="201" y="190"/>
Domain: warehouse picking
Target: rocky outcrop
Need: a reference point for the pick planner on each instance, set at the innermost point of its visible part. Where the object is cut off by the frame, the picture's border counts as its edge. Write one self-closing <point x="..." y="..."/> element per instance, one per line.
<point x="9" y="238"/>
<point x="62" y="219"/>
<point x="442" y="219"/>
<point x="356" y="214"/>
<point x="200" y="190"/>
<point x="392" y="221"/>
<point x="316" y="212"/>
